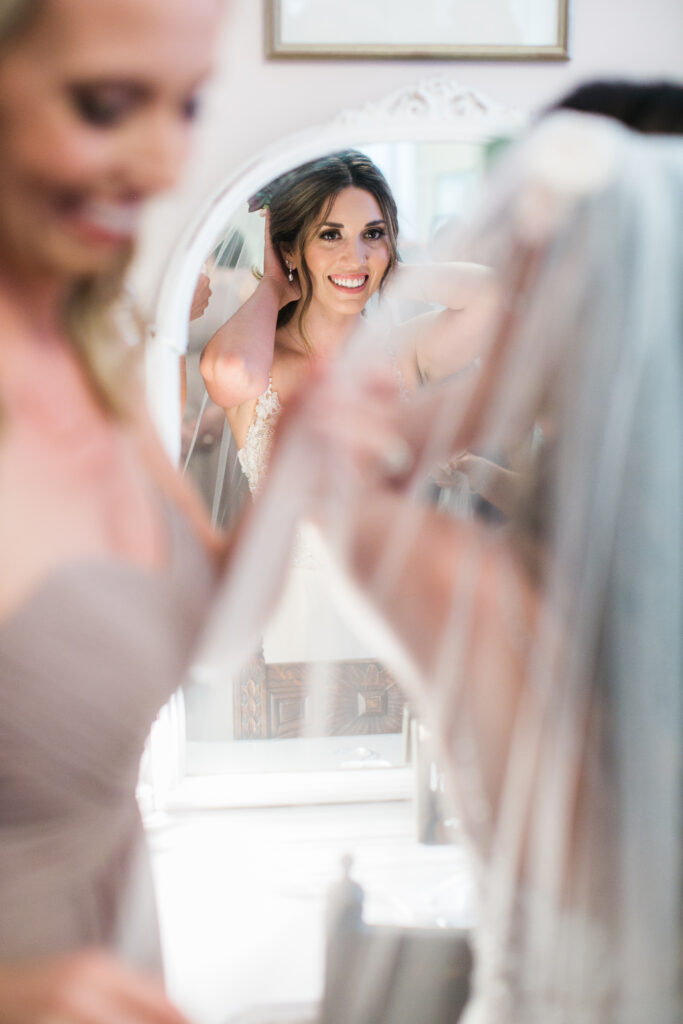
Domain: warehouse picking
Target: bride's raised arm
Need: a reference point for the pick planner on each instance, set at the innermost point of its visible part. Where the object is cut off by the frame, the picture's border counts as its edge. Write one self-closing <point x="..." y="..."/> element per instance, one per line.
<point x="236" y="362"/>
<point x="436" y="344"/>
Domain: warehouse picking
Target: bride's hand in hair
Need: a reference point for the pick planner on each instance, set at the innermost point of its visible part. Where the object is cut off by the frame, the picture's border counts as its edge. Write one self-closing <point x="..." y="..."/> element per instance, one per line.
<point x="275" y="273"/>
<point x="237" y="360"/>
<point x="86" y="987"/>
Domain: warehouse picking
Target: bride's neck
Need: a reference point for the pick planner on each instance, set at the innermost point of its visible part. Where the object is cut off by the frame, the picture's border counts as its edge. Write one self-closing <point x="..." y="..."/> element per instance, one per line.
<point x="328" y="333"/>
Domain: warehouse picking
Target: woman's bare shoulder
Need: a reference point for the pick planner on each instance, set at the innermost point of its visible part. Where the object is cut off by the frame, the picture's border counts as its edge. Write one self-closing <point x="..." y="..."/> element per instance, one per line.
<point x="290" y="365"/>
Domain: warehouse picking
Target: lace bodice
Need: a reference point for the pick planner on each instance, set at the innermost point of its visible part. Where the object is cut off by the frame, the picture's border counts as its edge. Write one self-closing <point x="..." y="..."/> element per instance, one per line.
<point x="253" y="457"/>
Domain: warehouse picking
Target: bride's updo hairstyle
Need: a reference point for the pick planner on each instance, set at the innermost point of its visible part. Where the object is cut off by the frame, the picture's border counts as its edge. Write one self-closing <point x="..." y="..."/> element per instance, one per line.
<point x="301" y="199"/>
<point x="97" y="323"/>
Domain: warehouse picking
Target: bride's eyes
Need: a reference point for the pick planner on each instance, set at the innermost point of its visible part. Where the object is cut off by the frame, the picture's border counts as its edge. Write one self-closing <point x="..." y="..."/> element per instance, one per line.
<point x="370" y="234"/>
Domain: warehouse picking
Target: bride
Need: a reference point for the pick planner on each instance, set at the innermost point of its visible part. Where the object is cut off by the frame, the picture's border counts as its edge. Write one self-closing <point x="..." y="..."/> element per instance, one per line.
<point x="331" y="244"/>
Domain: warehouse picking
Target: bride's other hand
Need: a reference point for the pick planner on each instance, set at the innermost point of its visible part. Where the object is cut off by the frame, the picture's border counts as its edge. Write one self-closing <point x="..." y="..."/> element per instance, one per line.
<point x="88" y="987"/>
<point x="200" y="299"/>
<point x="361" y="424"/>
<point x="348" y="428"/>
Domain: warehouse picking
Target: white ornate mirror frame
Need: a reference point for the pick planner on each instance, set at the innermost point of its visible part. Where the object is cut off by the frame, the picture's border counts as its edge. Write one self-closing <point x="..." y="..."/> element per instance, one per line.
<point x="435" y="110"/>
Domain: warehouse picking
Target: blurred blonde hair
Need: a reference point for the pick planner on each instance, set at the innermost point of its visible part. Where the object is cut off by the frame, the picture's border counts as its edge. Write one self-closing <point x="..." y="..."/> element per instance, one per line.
<point x="100" y="320"/>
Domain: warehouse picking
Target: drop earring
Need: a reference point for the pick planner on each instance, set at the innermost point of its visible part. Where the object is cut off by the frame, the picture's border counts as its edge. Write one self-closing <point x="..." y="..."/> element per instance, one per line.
<point x="290" y="275"/>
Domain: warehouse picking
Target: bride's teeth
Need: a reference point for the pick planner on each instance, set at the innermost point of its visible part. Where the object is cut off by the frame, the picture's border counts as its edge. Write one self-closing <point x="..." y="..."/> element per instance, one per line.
<point x="346" y="282"/>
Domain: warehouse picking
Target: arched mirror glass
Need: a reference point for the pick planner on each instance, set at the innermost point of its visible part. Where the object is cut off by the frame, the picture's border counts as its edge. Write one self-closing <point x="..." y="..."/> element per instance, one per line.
<point x="318" y="694"/>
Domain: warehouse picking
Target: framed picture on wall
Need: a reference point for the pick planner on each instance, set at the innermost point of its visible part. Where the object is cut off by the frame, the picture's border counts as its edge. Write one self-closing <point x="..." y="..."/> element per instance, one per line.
<point x="439" y="29"/>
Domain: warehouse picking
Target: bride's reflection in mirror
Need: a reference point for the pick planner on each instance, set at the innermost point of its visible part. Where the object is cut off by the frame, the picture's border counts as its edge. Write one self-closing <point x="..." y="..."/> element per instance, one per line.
<point x="327" y="240"/>
<point x="331" y="244"/>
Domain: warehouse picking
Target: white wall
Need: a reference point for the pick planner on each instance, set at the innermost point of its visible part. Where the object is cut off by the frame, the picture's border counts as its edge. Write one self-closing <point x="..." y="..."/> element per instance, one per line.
<point x="261" y="99"/>
<point x="254" y="102"/>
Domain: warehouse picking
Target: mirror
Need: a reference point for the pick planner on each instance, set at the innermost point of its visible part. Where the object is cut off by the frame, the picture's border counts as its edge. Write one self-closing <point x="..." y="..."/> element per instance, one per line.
<point x="435" y="187"/>
<point x="430" y="142"/>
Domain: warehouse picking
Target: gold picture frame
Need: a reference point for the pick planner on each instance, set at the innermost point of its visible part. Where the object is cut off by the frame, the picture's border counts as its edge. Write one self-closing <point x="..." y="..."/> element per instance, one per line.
<point x="315" y="29"/>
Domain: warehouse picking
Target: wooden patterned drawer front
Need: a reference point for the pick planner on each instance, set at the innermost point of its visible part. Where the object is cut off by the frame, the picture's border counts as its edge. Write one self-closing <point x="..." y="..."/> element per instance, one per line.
<point x="346" y="698"/>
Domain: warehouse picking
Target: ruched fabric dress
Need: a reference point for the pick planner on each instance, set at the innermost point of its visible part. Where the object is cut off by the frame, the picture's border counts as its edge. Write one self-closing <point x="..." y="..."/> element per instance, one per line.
<point x="85" y="664"/>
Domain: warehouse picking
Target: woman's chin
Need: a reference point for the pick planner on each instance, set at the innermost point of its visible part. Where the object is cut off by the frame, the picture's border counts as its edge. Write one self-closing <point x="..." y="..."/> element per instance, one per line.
<point x="67" y="259"/>
<point x="349" y="303"/>
<point x="349" y="309"/>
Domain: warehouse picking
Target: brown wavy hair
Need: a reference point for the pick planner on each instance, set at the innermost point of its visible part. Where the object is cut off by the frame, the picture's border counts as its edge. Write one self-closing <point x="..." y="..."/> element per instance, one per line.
<point x="300" y="199"/>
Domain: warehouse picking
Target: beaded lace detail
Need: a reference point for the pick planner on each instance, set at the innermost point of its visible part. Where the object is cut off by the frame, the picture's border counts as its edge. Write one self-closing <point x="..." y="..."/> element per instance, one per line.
<point x="253" y="457"/>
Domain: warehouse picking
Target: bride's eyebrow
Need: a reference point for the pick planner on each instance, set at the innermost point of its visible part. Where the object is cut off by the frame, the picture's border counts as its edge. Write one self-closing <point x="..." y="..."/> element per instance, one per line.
<point x="334" y="224"/>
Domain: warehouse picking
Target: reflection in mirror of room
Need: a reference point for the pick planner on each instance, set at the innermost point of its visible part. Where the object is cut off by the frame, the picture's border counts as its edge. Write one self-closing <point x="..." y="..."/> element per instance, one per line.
<point x="435" y="185"/>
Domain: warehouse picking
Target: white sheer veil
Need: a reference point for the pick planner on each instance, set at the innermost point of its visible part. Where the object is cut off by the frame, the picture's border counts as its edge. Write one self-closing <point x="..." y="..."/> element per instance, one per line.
<point x="209" y="453"/>
<point x="583" y="914"/>
<point x="580" y="845"/>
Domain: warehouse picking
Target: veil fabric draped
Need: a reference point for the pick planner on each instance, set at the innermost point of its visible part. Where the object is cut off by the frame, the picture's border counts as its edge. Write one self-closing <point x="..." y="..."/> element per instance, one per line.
<point x="209" y="454"/>
<point x="574" y="807"/>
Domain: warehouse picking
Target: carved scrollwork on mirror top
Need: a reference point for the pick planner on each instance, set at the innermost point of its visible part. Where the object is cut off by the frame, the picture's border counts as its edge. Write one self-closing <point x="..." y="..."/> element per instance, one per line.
<point x="439" y="103"/>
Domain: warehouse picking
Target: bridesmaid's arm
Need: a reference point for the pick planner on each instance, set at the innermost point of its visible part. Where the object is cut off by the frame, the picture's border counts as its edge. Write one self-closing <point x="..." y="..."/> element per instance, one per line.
<point x="446" y="565"/>
<point x="89" y="986"/>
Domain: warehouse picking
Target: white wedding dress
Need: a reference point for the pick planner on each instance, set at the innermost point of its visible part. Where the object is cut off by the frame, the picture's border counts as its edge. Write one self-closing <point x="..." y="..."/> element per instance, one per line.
<point x="309" y="623"/>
